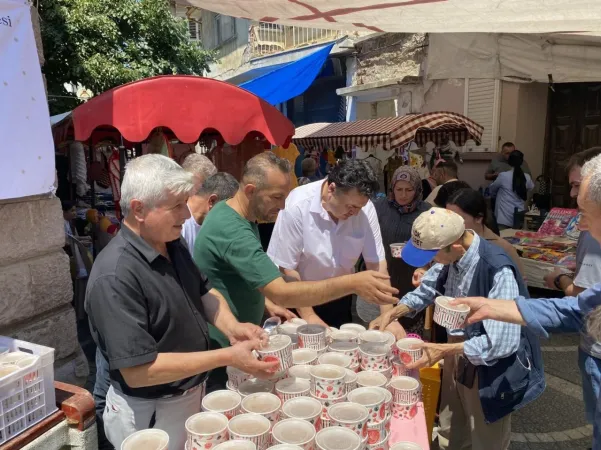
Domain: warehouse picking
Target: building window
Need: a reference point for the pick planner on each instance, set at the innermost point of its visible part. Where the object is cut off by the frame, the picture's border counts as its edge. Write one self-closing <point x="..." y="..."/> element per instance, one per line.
<point x="194" y="28"/>
<point x="225" y="29"/>
<point x="482" y="104"/>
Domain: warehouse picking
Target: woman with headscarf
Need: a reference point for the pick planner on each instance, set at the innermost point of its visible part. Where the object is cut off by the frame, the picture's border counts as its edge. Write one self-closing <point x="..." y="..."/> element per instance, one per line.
<point x="396" y="215"/>
<point x="511" y="190"/>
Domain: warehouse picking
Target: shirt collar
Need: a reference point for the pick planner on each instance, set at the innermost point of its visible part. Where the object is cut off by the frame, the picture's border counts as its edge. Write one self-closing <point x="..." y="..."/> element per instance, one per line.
<point x="316" y="206"/>
<point x="137" y="242"/>
<point x="468" y="258"/>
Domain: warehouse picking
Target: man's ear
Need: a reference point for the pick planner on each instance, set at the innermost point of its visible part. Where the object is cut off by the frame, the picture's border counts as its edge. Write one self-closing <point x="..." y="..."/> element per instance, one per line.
<point x="332" y="188"/>
<point x="249" y="190"/>
<point x="212" y="200"/>
<point x="137" y="209"/>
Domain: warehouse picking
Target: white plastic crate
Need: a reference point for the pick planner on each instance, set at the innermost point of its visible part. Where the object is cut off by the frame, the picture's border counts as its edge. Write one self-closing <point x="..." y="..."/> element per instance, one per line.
<point x="27" y="395"/>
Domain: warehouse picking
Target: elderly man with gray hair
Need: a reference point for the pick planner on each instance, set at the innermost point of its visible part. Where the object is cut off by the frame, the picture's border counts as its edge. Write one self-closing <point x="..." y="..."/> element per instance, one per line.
<point x="567" y="314"/>
<point x="149" y="308"/>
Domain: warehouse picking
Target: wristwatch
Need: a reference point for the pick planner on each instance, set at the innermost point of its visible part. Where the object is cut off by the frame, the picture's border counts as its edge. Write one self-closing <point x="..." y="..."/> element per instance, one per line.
<point x="557" y="280"/>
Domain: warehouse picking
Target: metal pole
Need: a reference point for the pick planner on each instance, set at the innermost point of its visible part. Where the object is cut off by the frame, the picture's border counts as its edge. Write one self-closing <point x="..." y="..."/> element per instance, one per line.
<point x="93" y="195"/>
<point x="122" y="161"/>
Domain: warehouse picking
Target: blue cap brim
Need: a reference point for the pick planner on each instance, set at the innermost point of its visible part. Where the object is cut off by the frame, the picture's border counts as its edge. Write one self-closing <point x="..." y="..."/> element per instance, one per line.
<point x="417" y="257"/>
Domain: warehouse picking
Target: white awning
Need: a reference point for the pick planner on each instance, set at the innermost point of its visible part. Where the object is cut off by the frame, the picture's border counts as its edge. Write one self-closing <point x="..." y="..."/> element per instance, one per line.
<point x="411" y="16"/>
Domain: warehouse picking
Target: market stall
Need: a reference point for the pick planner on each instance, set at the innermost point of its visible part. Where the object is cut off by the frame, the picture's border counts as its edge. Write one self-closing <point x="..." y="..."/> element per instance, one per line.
<point x="385" y="143"/>
<point x="552" y="246"/>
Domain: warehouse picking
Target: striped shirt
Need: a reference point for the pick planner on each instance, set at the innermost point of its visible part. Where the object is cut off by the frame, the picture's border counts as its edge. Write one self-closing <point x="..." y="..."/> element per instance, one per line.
<point x="501" y="339"/>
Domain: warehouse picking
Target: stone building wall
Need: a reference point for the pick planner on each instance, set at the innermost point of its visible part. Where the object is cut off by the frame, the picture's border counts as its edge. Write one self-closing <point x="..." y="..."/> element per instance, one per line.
<point x="35" y="279"/>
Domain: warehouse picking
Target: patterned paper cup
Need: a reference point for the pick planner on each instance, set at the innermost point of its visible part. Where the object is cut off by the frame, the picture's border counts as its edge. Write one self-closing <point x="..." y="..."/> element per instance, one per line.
<point x="386" y="372"/>
<point x="224" y="402"/>
<point x="391" y="339"/>
<point x="296" y="432"/>
<point x="407" y="354"/>
<point x="387" y="401"/>
<point x="350" y="380"/>
<point x="263" y="403"/>
<point x="254" y="385"/>
<point x="376" y="431"/>
<point x="156" y="439"/>
<point x="285" y="447"/>
<point x="374" y="356"/>
<point x="312" y="336"/>
<point x="236" y="444"/>
<point x="373" y="337"/>
<point x="300" y="371"/>
<point x="304" y="356"/>
<point x="369" y="378"/>
<point x="336" y="438"/>
<point x="347" y="348"/>
<point x="336" y="359"/>
<point x="396" y="250"/>
<point x="251" y="427"/>
<point x="350" y="415"/>
<point x="278" y="349"/>
<point x="236" y="377"/>
<point x="373" y="399"/>
<point x="450" y="317"/>
<point x="404" y="411"/>
<point x="382" y="445"/>
<point x="327" y="381"/>
<point x="345" y="336"/>
<point x="292" y="387"/>
<point x="305" y="408"/>
<point x="406" y="446"/>
<point x="325" y="404"/>
<point x="405" y="390"/>
<point x="353" y="326"/>
<point x="206" y="430"/>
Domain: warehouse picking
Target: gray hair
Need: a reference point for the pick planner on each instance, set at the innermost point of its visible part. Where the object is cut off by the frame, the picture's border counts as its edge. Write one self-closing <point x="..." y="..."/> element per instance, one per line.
<point x="199" y="165"/>
<point x="255" y="169"/>
<point x="592" y="171"/>
<point x="151" y="178"/>
<point x="222" y="184"/>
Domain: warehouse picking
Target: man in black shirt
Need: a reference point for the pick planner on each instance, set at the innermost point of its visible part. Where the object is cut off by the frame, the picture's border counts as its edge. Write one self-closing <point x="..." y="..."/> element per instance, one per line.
<point x="148" y="307"/>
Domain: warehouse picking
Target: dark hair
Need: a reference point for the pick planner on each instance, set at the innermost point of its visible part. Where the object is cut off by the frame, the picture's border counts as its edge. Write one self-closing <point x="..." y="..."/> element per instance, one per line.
<point x="308" y="167"/>
<point x="449" y="167"/>
<point x="67" y="205"/>
<point x="447" y="190"/>
<point x="516" y="159"/>
<point x="581" y="158"/>
<point x="508" y="144"/>
<point x="255" y="169"/>
<point x="222" y="184"/>
<point x="354" y="174"/>
<point x="470" y="202"/>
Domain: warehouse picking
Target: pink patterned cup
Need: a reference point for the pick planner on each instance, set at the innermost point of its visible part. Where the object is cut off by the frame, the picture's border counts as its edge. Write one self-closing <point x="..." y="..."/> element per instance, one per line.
<point x="336" y="359"/>
<point x="408" y="354"/>
<point x="251" y="427"/>
<point x="350" y="415"/>
<point x="369" y="378"/>
<point x="396" y="250"/>
<point x="225" y="402"/>
<point x="350" y="380"/>
<point x="306" y="408"/>
<point x="300" y="371"/>
<point x="278" y="349"/>
<point x="450" y="317"/>
<point x="404" y="411"/>
<point x="206" y="430"/>
<point x="325" y="404"/>
<point x="374" y="356"/>
<point x="263" y="403"/>
<point x="352" y="326"/>
<point x="304" y="356"/>
<point x="295" y="432"/>
<point x="382" y="445"/>
<point x="376" y="431"/>
<point x="373" y="337"/>
<point x="327" y="381"/>
<point x="345" y="336"/>
<point x="347" y="348"/>
<point x="292" y="387"/>
<point x="405" y="390"/>
<point x="388" y="399"/>
<point x="373" y="399"/>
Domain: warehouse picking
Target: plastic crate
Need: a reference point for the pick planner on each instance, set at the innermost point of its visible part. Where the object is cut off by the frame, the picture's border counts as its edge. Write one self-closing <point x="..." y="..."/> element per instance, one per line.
<point x="26" y="396"/>
<point x="430" y="379"/>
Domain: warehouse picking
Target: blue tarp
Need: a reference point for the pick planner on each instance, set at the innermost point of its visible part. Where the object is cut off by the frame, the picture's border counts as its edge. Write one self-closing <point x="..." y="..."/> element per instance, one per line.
<point x="291" y="80"/>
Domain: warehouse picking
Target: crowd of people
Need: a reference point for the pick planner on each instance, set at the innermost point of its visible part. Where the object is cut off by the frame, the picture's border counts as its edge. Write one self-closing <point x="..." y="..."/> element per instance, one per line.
<point x="182" y="290"/>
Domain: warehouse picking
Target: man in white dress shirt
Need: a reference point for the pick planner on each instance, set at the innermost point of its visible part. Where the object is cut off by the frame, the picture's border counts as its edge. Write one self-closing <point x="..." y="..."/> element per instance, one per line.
<point x="202" y="168"/>
<point x="324" y="229"/>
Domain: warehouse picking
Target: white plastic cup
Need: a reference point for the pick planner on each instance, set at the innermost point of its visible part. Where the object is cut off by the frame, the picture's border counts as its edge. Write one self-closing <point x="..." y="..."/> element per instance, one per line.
<point x="145" y="440"/>
<point x="206" y="428"/>
<point x="251" y="427"/>
<point x="336" y="359"/>
<point x="296" y="432"/>
<point x="370" y="378"/>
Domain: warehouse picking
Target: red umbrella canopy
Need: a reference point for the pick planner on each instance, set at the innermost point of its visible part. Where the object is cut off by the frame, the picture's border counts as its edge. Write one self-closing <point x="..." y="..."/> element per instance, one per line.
<point x="187" y="105"/>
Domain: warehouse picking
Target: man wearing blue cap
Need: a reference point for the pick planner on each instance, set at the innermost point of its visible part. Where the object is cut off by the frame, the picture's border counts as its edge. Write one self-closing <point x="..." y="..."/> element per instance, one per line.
<point x="490" y="370"/>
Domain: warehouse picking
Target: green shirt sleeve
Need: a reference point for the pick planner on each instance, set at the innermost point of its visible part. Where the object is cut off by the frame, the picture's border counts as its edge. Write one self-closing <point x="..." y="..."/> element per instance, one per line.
<point x="246" y="256"/>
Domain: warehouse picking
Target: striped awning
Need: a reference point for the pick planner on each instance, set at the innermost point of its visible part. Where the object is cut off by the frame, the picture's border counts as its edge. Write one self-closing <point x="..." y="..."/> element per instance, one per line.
<point x="392" y="132"/>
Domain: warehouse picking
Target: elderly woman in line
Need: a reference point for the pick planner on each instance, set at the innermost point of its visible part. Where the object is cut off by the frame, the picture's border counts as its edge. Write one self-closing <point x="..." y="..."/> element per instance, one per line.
<point x="567" y="314"/>
<point x="396" y="215"/>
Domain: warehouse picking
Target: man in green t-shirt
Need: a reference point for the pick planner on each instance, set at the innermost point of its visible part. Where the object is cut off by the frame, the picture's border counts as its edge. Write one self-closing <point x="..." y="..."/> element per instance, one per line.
<point x="229" y="252"/>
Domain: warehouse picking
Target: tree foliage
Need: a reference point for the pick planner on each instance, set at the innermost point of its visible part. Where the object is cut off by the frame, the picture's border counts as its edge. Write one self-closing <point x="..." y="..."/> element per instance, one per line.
<point x="105" y="43"/>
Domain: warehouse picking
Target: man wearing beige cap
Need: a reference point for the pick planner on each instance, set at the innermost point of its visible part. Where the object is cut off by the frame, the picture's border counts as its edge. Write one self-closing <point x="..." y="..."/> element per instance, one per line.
<point x="490" y="370"/>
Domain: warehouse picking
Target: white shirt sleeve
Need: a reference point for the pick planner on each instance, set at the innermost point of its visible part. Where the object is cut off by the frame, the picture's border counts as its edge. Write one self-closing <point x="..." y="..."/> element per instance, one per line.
<point x="373" y="249"/>
<point x="286" y="244"/>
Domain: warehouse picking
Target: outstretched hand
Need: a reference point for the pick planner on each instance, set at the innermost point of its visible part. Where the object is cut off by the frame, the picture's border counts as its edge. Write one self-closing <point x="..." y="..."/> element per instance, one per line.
<point x="480" y="308"/>
<point x="374" y="287"/>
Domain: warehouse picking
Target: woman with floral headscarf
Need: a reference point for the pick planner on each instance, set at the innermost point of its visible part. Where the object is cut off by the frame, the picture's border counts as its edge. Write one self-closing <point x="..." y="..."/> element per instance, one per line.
<point x="396" y="215"/>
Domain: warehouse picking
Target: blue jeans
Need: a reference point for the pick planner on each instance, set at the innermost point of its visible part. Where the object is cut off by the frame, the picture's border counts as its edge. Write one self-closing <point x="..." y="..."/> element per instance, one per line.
<point x="590" y="368"/>
<point x="101" y="387"/>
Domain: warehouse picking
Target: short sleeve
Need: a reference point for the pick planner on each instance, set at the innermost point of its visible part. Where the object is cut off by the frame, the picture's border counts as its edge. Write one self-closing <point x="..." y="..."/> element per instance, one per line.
<point x="589" y="269"/>
<point x="118" y="316"/>
<point x="286" y="243"/>
<point x="246" y="256"/>
<point x="373" y="249"/>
